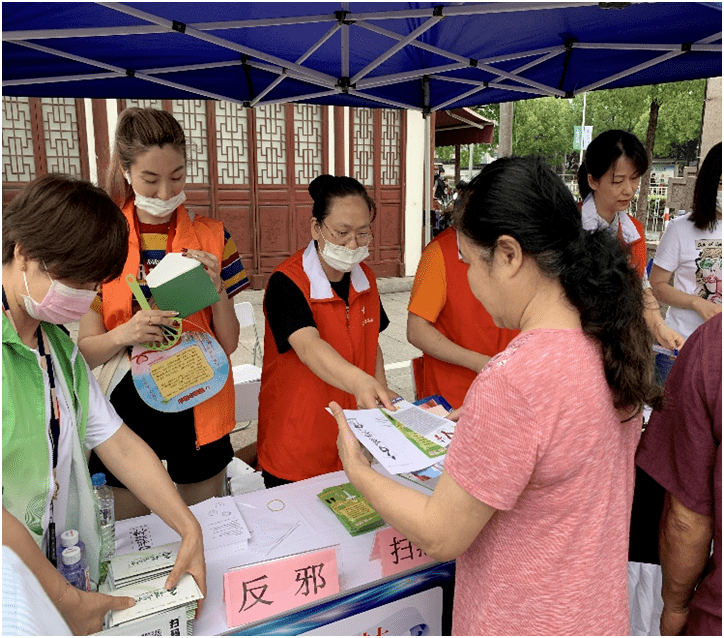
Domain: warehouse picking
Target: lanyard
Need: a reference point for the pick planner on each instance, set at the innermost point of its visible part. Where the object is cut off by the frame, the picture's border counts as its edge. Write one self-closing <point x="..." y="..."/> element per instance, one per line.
<point x="46" y="363"/>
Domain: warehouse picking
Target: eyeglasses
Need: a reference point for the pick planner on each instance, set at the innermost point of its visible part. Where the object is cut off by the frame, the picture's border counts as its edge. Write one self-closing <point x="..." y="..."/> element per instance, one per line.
<point x="363" y="239"/>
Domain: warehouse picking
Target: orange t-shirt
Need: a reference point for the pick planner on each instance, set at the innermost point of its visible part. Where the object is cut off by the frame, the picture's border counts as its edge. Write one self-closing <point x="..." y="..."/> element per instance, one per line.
<point x="441" y="295"/>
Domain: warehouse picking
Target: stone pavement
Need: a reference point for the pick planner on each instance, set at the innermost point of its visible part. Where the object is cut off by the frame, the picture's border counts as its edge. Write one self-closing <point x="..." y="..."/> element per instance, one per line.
<point x="394" y="293"/>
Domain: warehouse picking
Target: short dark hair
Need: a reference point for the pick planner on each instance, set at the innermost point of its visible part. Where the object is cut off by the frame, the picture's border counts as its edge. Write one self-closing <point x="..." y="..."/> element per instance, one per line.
<point x="604" y="151"/>
<point x="707" y="183"/>
<point x="326" y="188"/>
<point x="71" y="226"/>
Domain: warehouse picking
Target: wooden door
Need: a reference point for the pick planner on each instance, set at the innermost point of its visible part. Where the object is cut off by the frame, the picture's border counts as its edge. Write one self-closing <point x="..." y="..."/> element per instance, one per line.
<point x="377" y="142"/>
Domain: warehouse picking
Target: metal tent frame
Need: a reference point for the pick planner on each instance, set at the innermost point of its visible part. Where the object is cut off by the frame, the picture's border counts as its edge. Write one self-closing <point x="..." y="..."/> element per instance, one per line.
<point x="472" y="80"/>
<point x="420" y="56"/>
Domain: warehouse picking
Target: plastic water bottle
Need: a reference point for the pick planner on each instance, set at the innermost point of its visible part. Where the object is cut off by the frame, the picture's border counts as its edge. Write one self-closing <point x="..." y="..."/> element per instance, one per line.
<point x="71" y="538"/>
<point x="104" y="494"/>
<point x="73" y="568"/>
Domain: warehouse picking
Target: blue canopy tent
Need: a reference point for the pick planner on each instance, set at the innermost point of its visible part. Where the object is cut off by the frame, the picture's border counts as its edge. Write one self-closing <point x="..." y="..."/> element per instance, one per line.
<point x="423" y="56"/>
<point x="408" y="55"/>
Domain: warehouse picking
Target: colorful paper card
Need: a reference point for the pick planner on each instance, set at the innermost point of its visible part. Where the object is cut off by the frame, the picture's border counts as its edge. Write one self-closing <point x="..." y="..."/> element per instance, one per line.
<point x="180" y="377"/>
<point x="265" y="589"/>
<point x="396" y="552"/>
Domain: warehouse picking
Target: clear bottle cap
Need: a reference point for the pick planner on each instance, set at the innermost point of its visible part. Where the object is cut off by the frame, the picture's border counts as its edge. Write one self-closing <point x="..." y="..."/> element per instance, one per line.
<point x="71" y="555"/>
<point x="69" y="538"/>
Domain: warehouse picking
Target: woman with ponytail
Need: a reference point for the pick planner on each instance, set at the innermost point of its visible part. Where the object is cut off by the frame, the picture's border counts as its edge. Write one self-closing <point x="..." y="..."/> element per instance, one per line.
<point x="535" y="498"/>
<point x="607" y="181"/>
<point x="146" y="180"/>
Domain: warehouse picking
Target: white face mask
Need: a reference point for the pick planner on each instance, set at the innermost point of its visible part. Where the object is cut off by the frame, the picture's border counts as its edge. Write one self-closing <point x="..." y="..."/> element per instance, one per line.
<point x="153" y="205"/>
<point x="341" y="258"/>
<point x="718" y="202"/>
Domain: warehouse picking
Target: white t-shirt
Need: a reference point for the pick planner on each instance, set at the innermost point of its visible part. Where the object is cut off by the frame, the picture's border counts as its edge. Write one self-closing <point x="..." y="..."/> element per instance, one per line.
<point x="102" y="424"/>
<point x="694" y="256"/>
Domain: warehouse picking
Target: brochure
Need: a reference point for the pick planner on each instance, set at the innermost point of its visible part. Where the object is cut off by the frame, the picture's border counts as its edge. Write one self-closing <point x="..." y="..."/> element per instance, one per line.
<point x="406" y="440"/>
<point x="351" y="508"/>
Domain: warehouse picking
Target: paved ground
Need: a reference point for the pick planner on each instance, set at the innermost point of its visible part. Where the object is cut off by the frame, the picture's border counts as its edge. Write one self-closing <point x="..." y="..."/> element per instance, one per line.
<point x="395" y="294"/>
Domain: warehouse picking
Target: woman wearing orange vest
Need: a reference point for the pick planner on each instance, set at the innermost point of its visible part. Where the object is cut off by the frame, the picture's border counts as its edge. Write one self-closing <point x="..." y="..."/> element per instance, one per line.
<point x="456" y="334"/>
<point x="147" y="178"/>
<point x="321" y="343"/>
<point x="607" y="181"/>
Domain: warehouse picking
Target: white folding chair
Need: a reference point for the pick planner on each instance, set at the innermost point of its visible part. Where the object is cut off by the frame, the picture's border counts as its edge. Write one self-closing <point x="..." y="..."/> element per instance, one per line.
<point x="247" y="377"/>
<point x="245" y="314"/>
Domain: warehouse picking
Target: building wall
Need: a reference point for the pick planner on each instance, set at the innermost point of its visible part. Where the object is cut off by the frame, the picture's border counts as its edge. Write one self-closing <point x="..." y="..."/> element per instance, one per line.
<point x="83" y="137"/>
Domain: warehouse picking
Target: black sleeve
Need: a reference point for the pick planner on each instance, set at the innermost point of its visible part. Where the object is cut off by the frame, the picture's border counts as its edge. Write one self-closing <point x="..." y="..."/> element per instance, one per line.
<point x="384" y="319"/>
<point x="287" y="310"/>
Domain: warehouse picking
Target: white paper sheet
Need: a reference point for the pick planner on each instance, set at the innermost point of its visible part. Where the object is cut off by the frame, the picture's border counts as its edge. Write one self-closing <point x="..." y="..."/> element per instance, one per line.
<point x="395" y="452"/>
<point x="220" y="519"/>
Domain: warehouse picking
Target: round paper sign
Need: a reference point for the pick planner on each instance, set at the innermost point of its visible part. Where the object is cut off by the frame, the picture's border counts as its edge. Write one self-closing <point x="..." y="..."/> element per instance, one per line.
<point x="180" y="377"/>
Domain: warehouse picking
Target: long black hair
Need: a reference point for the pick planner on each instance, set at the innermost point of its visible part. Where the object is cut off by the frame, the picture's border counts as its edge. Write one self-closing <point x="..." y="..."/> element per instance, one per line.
<point x="707" y="183"/>
<point x="604" y="151"/>
<point x="523" y="198"/>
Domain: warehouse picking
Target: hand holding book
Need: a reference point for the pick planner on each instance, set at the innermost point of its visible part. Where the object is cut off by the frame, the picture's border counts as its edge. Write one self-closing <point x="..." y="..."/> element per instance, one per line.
<point x="185" y="284"/>
<point x="211" y="266"/>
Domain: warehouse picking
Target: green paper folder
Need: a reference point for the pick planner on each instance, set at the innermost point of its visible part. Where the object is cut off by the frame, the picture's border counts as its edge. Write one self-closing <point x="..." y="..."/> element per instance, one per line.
<point x="180" y="283"/>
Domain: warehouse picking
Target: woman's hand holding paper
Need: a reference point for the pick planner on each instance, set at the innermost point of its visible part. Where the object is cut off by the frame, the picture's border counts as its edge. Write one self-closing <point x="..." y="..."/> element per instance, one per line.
<point x="370" y="393"/>
<point x="351" y="453"/>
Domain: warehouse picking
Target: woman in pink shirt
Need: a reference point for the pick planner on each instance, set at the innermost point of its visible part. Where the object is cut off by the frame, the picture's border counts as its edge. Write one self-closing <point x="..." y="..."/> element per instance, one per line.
<point x="535" y="499"/>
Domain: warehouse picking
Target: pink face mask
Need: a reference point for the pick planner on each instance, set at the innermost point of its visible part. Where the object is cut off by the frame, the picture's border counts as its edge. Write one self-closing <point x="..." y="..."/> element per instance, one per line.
<point x="61" y="304"/>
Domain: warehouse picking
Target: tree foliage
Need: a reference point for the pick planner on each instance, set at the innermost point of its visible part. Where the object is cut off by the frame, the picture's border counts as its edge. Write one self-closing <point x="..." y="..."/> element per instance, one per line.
<point x="544" y="126"/>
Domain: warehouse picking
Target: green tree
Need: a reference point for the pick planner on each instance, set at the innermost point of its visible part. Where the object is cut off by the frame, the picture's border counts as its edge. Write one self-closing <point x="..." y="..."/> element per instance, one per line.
<point x="545" y="127"/>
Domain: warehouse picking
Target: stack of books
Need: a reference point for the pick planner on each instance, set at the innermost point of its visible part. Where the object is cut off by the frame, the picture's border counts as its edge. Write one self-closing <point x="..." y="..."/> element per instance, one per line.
<point x="142" y="575"/>
<point x="157" y="611"/>
<point x="351" y="508"/>
<point x="138" y="567"/>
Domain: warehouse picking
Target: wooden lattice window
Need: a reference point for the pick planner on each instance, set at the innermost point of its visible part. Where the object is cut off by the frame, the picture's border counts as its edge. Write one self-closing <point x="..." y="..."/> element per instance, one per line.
<point x="145" y="104"/>
<point x="364" y="148"/>
<point x="191" y="114"/>
<point x="62" y="141"/>
<point x="18" y="156"/>
<point x="232" y="143"/>
<point x="271" y="145"/>
<point x="390" y="155"/>
<point x="308" y="123"/>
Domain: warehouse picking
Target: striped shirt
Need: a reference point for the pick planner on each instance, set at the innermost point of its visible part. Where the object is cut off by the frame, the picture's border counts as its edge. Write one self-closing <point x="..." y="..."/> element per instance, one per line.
<point x="153" y="249"/>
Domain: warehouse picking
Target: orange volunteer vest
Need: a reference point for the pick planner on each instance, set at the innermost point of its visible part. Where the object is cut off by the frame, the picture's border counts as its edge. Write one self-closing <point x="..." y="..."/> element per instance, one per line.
<point x="465" y="322"/>
<point x="637" y="247"/>
<point x="214" y="417"/>
<point x="297" y="437"/>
